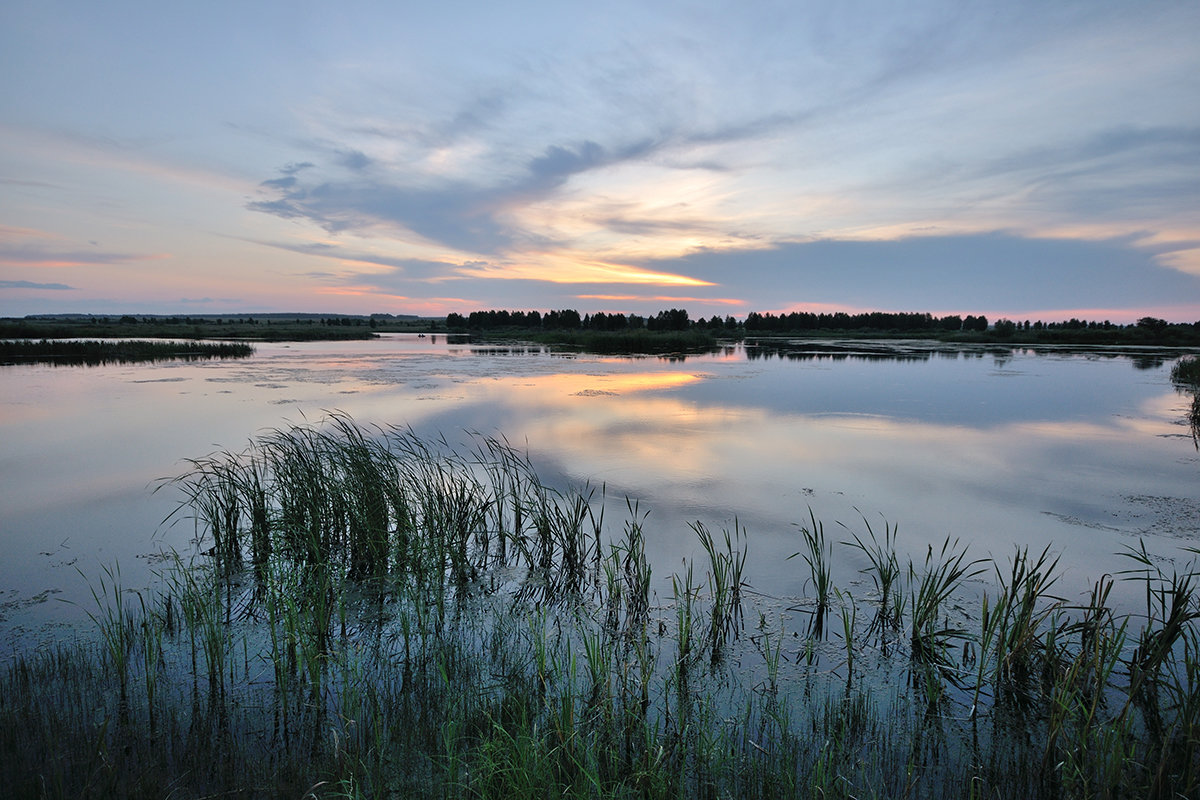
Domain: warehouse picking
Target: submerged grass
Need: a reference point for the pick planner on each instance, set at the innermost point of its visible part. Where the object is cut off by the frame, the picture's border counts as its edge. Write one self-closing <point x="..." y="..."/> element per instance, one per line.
<point x="380" y="615"/>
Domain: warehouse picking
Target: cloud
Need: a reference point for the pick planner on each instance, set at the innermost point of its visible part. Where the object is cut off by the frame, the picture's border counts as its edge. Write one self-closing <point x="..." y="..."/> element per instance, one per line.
<point x="663" y="298"/>
<point x="38" y="256"/>
<point x="355" y="160"/>
<point x="1123" y="172"/>
<point x="282" y="184"/>
<point x="349" y="190"/>
<point x="26" y="184"/>
<point x="551" y="169"/>
<point x="205" y="301"/>
<point x="453" y="215"/>
<point x="407" y="269"/>
<point x="969" y="272"/>
<point x="32" y="285"/>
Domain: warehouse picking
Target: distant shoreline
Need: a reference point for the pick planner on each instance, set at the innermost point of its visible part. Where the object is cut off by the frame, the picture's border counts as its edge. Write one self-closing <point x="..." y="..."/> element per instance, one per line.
<point x="91" y="352"/>
<point x="608" y="333"/>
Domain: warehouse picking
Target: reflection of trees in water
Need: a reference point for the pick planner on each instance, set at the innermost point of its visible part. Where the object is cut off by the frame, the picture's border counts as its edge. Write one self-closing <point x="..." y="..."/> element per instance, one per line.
<point x="814" y="351"/>
<point x="802" y="350"/>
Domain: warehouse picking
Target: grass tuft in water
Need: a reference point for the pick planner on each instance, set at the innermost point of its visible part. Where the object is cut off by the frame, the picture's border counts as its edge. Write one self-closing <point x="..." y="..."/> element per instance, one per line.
<point x="817" y="554"/>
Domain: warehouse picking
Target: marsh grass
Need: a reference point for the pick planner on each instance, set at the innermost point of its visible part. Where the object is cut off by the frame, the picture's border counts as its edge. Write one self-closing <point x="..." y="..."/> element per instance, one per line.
<point x="1187" y="371"/>
<point x="379" y="615"/>
<point x="817" y="554"/>
<point x="885" y="573"/>
<point x="93" y="352"/>
<point x="1186" y="376"/>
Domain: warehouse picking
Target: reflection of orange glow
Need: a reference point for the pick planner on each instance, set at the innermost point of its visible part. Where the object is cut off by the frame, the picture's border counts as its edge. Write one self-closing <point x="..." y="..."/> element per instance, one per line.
<point x="571" y="384"/>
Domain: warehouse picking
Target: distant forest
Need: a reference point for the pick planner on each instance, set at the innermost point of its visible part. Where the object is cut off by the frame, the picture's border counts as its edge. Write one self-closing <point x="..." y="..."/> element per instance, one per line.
<point x="668" y="329"/>
<point x="1147" y="330"/>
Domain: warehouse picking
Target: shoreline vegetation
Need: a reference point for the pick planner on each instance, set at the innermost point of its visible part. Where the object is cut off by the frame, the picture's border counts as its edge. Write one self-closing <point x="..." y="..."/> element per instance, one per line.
<point x="257" y="327"/>
<point x="375" y="614"/>
<point x="92" y="352"/>
<point x="668" y="331"/>
<point x="675" y="327"/>
<point x="1185" y="374"/>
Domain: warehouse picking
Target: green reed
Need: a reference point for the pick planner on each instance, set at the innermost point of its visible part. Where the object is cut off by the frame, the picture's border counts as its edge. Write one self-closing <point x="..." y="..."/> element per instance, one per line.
<point x="934" y="634"/>
<point x="885" y="573"/>
<point x="1185" y="374"/>
<point x="1013" y="623"/>
<point x="818" y="555"/>
<point x="725" y="580"/>
<point x="1187" y="371"/>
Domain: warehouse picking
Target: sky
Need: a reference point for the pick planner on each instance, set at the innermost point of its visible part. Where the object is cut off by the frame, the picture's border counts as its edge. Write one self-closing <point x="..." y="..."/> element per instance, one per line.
<point x="1027" y="160"/>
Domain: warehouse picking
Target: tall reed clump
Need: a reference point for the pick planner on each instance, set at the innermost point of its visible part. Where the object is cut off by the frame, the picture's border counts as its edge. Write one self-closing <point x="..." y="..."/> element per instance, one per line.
<point x="817" y="554"/>
<point x="885" y="574"/>
<point x="725" y="580"/>
<point x="375" y="614"/>
<point x="1186" y="376"/>
<point x="1013" y="637"/>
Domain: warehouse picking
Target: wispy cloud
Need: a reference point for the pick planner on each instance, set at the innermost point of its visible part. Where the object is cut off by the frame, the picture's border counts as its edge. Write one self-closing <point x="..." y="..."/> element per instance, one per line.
<point x="663" y="298"/>
<point x="32" y="285"/>
<point x="235" y="302"/>
<point x="48" y="257"/>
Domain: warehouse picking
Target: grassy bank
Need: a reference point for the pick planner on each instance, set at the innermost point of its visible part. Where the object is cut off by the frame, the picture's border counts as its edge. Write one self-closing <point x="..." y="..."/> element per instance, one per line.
<point x="380" y="615"/>
<point x="279" y="329"/>
<point x="53" y="351"/>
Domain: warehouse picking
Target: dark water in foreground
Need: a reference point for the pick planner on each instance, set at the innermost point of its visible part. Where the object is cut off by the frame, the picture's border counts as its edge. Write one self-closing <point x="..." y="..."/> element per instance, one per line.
<point x="1088" y="451"/>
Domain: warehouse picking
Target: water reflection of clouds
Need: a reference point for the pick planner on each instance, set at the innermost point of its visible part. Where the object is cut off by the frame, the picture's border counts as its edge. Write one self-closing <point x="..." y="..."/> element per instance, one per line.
<point x="1000" y="480"/>
<point x="940" y="447"/>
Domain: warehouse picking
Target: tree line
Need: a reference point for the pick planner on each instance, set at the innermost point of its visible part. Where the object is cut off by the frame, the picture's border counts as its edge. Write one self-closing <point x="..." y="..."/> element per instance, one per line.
<point x="870" y="321"/>
<point x="676" y="319"/>
<point x="1145" y="330"/>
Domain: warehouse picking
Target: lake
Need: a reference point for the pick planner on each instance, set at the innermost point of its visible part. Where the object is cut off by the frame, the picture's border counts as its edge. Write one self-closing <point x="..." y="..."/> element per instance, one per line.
<point x="1087" y="451"/>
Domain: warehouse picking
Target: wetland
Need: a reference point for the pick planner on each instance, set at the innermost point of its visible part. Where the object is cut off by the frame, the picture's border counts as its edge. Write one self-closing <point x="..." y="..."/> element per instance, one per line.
<point x="420" y="565"/>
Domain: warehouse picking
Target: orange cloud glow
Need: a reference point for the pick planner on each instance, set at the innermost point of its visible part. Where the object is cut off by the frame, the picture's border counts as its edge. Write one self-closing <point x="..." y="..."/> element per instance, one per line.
<point x="555" y="268"/>
<point x="60" y="263"/>
<point x="723" y="301"/>
<point x="358" y="291"/>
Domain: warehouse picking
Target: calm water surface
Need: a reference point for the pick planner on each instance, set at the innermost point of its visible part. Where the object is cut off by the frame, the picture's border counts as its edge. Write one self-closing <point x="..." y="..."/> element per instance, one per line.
<point x="1087" y="452"/>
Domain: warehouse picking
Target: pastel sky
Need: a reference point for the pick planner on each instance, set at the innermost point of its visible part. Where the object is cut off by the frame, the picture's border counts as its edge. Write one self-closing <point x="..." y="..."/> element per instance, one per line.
<point x="1021" y="159"/>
